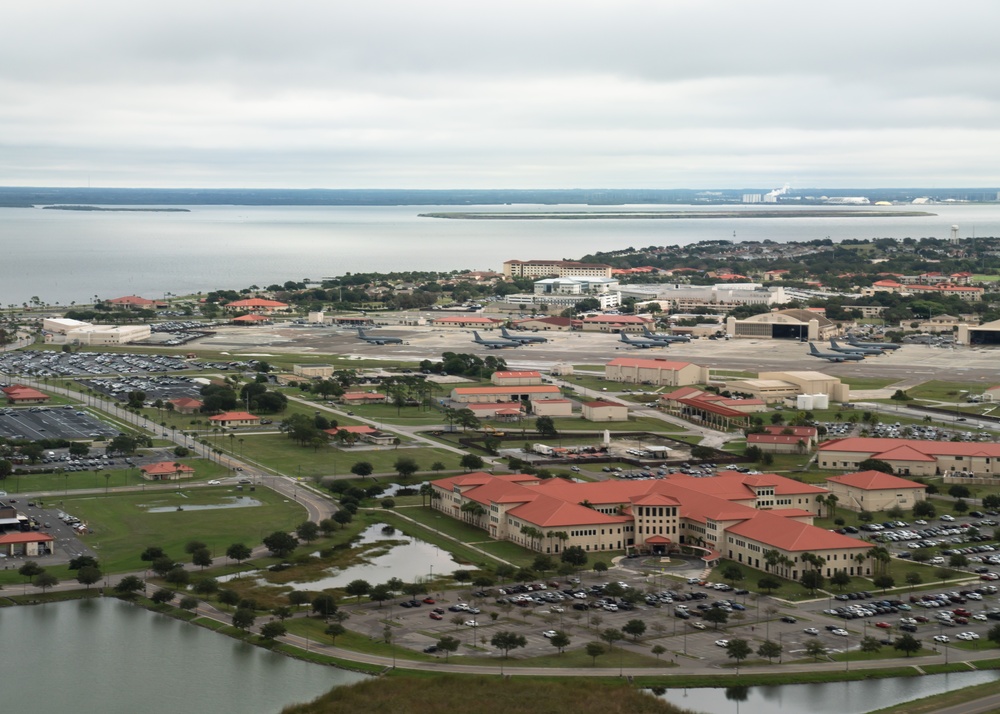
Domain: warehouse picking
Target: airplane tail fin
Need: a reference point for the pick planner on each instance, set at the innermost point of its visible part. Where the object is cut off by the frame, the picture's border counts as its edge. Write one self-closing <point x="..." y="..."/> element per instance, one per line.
<point x="478" y="338"/>
<point x="361" y="333"/>
<point x="624" y="338"/>
<point x="812" y="349"/>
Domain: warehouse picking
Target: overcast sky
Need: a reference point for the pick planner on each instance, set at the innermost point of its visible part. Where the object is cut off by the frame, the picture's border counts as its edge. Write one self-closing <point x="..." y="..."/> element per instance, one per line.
<point x="519" y="94"/>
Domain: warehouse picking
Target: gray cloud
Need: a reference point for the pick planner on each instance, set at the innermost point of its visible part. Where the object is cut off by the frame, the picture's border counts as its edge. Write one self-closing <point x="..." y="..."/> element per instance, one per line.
<point x="450" y="94"/>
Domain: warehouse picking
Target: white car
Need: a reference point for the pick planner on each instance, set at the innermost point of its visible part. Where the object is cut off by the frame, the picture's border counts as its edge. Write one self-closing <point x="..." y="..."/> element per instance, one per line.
<point x="699" y="625"/>
<point x="941" y="638"/>
<point x="967" y="636"/>
<point x="722" y="643"/>
<point x="948" y="517"/>
<point x="840" y="632"/>
<point x="214" y="482"/>
<point x="811" y="631"/>
<point x="980" y="617"/>
<point x="549" y="634"/>
<point x="556" y="608"/>
<point x="471" y="623"/>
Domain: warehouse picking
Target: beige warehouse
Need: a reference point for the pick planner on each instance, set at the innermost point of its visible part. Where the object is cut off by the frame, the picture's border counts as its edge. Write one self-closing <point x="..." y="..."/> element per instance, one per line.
<point x="658" y="371"/>
<point x="875" y="491"/>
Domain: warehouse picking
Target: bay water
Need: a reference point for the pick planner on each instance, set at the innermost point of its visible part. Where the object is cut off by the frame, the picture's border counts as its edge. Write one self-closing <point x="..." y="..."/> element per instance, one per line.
<point x="72" y="256"/>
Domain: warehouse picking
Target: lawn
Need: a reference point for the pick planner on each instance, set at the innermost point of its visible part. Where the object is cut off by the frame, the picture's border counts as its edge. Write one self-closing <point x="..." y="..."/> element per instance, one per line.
<point x="77" y="480"/>
<point x="123" y="527"/>
<point x="389" y="414"/>
<point x="944" y="391"/>
<point x="279" y="453"/>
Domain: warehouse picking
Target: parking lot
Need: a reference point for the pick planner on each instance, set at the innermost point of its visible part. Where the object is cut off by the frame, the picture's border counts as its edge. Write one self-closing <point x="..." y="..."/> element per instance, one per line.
<point x="34" y="423"/>
<point x="154" y="386"/>
<point x="73" y="364"/>
<point x="674" y="610"/>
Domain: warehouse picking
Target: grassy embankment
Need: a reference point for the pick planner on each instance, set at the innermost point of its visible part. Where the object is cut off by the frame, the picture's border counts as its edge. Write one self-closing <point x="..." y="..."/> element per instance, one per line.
<point x="485" y="695"/>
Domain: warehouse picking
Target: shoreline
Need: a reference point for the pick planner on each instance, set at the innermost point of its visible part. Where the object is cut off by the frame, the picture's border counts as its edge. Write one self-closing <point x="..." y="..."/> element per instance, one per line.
<point x="675" y="215"/>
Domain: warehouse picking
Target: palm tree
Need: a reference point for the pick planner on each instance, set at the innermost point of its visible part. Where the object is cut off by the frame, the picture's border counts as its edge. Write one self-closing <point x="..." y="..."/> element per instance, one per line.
<point x="831" y="505"/>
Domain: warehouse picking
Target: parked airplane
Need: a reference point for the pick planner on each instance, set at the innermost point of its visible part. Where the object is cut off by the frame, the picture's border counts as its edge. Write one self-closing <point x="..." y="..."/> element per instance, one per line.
<point x="834" y="356"/>
<point x="494" y="344"/>
<point x="665" y="338"/>
<point x="863" y="351"/>
<point x="643" y="343"/>
<point x="523" y="339"/>
<point x="379" y="340"/>
<point x="877" y="345"/>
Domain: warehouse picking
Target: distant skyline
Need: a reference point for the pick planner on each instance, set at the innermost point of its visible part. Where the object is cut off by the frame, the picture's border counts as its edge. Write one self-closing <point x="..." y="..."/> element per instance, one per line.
<point x="458" y="95"/>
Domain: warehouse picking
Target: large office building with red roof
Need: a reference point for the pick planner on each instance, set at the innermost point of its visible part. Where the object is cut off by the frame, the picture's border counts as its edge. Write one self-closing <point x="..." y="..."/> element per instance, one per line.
<point x="732" y="515"/>
<point x="912" y="457"/>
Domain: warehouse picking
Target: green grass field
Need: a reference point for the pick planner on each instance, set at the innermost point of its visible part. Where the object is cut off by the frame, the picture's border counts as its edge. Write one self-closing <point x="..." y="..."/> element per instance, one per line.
<point x="118" y="477"/>
<point x="944" y="391"/>
<point x="123" y="526"/>
<point x="279" y="453"/>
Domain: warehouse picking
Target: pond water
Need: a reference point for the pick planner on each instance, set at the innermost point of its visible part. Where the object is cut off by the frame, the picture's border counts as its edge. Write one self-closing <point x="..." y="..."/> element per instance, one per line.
<point x="832" y="698"/>
<point x="108" y="656"/>
<point x="410" y="561"/>
<point x="233" y="502"/>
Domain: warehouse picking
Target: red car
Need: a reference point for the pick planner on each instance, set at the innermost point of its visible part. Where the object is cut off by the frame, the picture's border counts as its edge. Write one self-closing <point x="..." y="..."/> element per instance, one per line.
<point x="961" y="612"/>
<point x="883" y="625"/>
<point x="437" y="616"/>
<point x="429" y="601"/>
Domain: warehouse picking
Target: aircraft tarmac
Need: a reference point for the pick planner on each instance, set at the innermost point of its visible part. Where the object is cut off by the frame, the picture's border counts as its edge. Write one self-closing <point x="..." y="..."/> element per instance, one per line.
<point x="912" y="362"/>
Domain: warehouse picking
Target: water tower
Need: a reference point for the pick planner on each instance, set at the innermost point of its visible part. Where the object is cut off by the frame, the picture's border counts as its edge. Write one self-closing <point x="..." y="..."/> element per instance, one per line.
<point x="954" y="234"/>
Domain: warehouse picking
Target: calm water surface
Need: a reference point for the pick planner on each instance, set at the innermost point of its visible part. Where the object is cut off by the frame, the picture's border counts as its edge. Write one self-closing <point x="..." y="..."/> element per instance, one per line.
<point x="410" y="561"/>
<point x="833" y="698"/>
<point x="63" y="256"/>
<point x="111" y="657"/>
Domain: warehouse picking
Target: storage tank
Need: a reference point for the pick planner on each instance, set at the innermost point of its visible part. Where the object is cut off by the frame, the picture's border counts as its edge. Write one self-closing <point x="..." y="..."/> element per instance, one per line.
<point x="804" y="402"/>
<point x="821" y="401"/>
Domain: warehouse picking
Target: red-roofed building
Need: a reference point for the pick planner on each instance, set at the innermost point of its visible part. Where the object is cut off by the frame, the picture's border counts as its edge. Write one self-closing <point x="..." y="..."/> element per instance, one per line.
<point x="19" y="394"/>
<point x="363" y="398"/>
<point x="543" y="324"/>
<point x="252" y="319"/>
<point x="659" y="371"/>
<point x="911" y="457"/>
<point x="778" y="443"/>
<point x="707" y="408"/>
<point x="186" y="405"/>
<point x="166" y="471"/>
<point x="258" y="306"/>
<point x="875" y="491"/>
<point x="731" y="515"/>
<point x="614" y="323"/>
<point x="29" y="544"/>
<point x="785" y="439"/>
<point x="605" y="411"/>
<point x="491" y="395"/>
<point x="230" y="419"/>
<point x="512" y="379"/>
<point x="134" y="302"/>
<point x="462" y="321"/>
